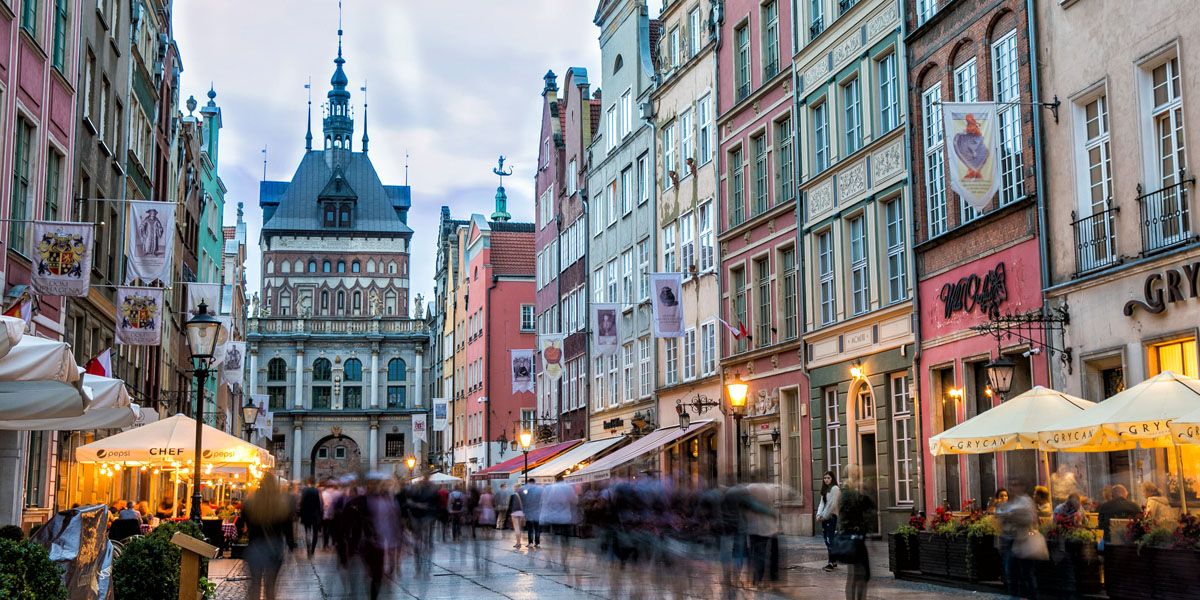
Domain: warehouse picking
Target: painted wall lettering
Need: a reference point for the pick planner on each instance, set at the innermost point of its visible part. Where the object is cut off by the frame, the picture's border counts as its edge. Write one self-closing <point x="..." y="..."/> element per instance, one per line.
<point x="1171" y="286"/>
<point x="986" y="293"/>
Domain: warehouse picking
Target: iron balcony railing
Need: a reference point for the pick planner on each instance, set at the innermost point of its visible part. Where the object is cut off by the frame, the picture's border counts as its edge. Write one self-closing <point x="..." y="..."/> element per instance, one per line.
<point x="815" y="29"/>
<point x="1095" y="240"/>
<point x="1166" y="216"/>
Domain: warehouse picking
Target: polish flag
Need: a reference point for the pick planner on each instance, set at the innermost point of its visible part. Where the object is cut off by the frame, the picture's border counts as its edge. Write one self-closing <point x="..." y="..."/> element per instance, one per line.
<point x="21" y="309"/>
<point x="738" y="332"/>
<point x="101" y="365"/>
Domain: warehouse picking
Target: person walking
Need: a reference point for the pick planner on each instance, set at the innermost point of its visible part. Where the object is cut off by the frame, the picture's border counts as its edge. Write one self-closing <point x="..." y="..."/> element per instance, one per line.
<point x="516" y="512"/>
<point x="268" y="518"/>
<point x="501" y="502"/>
<point x="311" y="514"/>
<point x="486" y="512"/>
<point x="856" y="510"/>
<point x="827" y="513"/>
<point x="1018" y="526"/>
<point x="455" y="507"/>
<point x="329" y="500"/>
<point x="560" y="511"/>
<point x="533" y="510"/>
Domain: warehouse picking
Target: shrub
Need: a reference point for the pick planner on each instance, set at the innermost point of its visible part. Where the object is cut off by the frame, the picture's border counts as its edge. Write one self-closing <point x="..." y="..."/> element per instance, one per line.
<point x="27" y="573"/>
<point x="148" y="568"/>
<point x="11" y="533"/>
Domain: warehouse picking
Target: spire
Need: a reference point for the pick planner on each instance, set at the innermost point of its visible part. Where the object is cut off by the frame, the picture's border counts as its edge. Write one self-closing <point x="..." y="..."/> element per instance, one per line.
<point x="338" y="125"/>
<point x="501" y="213"/>
<point x="365" y="139"/>
<point x="308" y="135"/>
<point x="551" y="82"/>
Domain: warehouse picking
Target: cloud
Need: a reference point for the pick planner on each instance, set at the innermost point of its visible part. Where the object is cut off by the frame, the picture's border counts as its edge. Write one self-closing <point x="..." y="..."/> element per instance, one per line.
<point x="451" y="84"/>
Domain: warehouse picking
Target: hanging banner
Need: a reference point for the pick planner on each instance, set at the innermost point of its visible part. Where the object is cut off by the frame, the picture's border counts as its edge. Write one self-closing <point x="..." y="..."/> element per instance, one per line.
<point x="62" y="258"/>
<point x="552" y="355"/>
<point x="604" y="328"/>
<point x="223" y="336"/>
<point x="232" y="366"/>
<point x="262" y="424"/>
<point x="668" y="312"/>
<point x="148" y="246"/>
<point x="441" y="414"/>
<point x="208" y="293"/>
<point x="139" y="316"/>
<point x="522" y="371"/>
<point x="972" y="149"/>
<point x="419" y="434"/>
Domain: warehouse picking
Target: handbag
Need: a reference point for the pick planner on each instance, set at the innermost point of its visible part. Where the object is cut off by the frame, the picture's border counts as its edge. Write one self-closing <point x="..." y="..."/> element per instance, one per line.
<point x="846" y="548"/>
<point x="1031" y="546"/>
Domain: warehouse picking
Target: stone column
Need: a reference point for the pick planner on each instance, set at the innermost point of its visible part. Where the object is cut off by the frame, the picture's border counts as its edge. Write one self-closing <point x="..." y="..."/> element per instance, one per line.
<point x="252" y="384"/>
<point x="373" y="445"/>
<point x="418" y="392"/>
<point x="299" y="402"/>
<point x="297" y="452"/>
<point x="374" y="378"/>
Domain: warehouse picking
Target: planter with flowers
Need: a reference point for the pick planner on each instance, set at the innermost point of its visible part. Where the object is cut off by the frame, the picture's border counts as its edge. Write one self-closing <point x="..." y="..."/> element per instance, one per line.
<point x="903" y="545"/>
<point x="960" y="546"/>
<point x="1074" y="565"/>
<point x="1162" y="561"/>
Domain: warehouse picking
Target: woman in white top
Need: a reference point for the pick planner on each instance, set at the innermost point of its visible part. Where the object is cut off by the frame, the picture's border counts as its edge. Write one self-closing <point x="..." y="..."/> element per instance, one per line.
<point x="827" y="512"/>
<point x="1158" y="508"/>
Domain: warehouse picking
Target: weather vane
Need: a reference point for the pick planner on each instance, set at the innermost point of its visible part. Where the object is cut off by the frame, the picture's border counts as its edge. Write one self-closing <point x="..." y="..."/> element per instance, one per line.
<point x="499" y="170"/>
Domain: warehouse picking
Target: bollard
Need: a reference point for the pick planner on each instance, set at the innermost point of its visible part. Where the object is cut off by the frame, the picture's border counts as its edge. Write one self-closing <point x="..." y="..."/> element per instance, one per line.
<point x="189" y="563"/>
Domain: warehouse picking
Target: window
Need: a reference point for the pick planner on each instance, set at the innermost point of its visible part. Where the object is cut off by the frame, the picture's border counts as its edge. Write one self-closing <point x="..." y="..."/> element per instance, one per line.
<point x="1006" y="84"/>
<point x="526" y="317"/>
<point x="54" y="162"/>
<point x="707" y="248"/>
<point x="612" y="281"/>
<point x="787" y="293"/>
<point x="770" y="58"/>
<point x="102" y="113"/>
<point x="673" y="48"/>
<point x="859" y="279"/>
<point x="355" y="267"/>
<point x="572" y="177"/>
<point x="1178" y="356"/>
<point x="626" y="190"/>
<point x="614" y="385"/>
<point x="704" y="110"/>
<point x="825" y="276"/>
<point x="627" y="277"/>
<point x="695" y="32"/>
<point x="312" y="266"/>
<point x="689" y="354"/>
<point x="29" y="17"/>
<point x="285" y="303"/>
<point x="833" y="431"/>
<point x="597" y="209"/>
<point x="902" y="438"/>
<point x="341" y="266"/>
<point x="852" y="101"/>
<point x="820" y="128"/>
<point x="816" y="8"/>
<point x="628" y="367"/>
<point x="397" y="374"/>
<point x="897" y="274"/>
<point x="22" y="185"/>
<point x="926" y="9"/>
<point x="889" y="101"/>
<point x="614" y="209"/>
<point x="790" y="400"/>
<point x="598" y="384"/>
<point x="339" y="452"/>
<point x="325" y="301"/>
<point x="783" y="160"/>
<point x="1096" y="244"/>
<point x="741" y="37"/>
<point x="58" y="50"/>
<point x="643" y="272"/>
<point x="687" y="244"/>
<point x="708" y="349"/>
<point x="647" y="378"/>
<point x="669" y="166"/>
<point x="326" y="267"/>
<point x="322" y="374"/>
<point x="671" y="362"/>
<point x="935" y="174"/>
<point x="89" y="83"/>
<point x="739" y="303"/>
<point x="1165" y="210"/>
<point x="643" y="179"/>
<point x="762" y="276"/>
<point x="966" y="89"/>
<point x="737" y="188"/>
<point x="341" y="302"/>
<point x="277" y="374"/>
<point x="322" y="452"/>
<point x="352" y="388"/>
<point x="761" y="198"/>
<point x="610" y="127"/>
<point x="627" y="112"/>
<point x="598" y="285"/>
<point x="685" y="141"/>
<point x="393" y="445"/>
<point x="668" y="236"/>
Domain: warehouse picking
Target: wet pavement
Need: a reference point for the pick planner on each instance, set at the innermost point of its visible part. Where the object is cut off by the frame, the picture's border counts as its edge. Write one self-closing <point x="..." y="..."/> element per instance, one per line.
<point x="494" y="569"/>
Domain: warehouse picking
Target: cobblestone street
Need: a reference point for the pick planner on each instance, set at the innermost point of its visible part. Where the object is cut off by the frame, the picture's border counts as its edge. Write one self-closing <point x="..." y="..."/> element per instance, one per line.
<point x="503" y="572"/>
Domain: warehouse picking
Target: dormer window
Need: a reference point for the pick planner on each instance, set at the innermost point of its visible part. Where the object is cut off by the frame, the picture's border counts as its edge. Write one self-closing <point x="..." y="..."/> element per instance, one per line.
<point x="330" y="216"/>
<point x="344" y="216"/>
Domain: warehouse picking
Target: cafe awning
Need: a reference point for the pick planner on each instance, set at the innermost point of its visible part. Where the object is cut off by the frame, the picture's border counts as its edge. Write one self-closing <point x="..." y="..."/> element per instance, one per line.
<point x="172" y="441"/>
<point x="11" y="331"/>
<point x="516" y="464"/>
<point x="92" y="418"/>
<point x="651" y="442"/>
<point x="1013" y="425"/>
<point x="549" y="471"/>
<point x="1138" y="416"/>
<point x="39" y="380"/>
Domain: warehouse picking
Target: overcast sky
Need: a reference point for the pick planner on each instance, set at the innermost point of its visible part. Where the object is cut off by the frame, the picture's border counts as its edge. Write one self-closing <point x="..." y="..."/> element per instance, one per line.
<point x="453" y="83"/>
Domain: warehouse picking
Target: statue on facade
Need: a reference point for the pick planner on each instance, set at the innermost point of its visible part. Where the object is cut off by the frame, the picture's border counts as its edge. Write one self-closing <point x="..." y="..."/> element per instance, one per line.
<point x="374" y="303"/>
<point x="305" y="307"/>
<point x="256" y="310"/>
<point x="417" y="305"/>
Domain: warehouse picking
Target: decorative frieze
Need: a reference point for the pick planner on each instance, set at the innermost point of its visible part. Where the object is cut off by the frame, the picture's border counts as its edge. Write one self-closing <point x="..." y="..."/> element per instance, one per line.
<point x="887" y="162"/>
<point x="820" y="199"/>
<point x="881" y="22"/>
<point x="852" y="181"/>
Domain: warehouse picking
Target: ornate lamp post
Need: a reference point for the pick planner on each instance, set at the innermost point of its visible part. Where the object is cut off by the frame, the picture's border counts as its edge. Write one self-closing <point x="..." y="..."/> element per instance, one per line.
<point x="202" y="333"/>
<point x="1000" y="374"/>
<point x="737" y="391"/>
<point x="526" y="439"/>
<point x="411" y="463"/>
<point x="249" y="416"/>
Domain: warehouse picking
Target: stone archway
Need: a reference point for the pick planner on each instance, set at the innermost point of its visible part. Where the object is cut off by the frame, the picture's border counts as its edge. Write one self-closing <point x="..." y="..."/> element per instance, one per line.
<point x="333" y="456"/>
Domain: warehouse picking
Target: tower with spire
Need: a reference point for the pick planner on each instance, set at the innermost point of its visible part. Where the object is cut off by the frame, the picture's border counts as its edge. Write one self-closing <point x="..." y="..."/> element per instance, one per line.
<point x="339" y="124"/>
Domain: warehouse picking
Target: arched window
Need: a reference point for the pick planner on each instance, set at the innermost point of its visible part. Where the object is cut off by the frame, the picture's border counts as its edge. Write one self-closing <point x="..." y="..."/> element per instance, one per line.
<point x="276" y="383"/>
<point x="397" y="374"/>
<point x="277" y="370"/>
<point x="285" y="303"/>
<point x="357" y="302"/>
<point x="326" y="267"/>
<point x="371" y="266"/>
<point x="391" y="268"/>
<point x="352" y="370"/>
<point x="270" y="266"/>
<point x="322" y="374"/>
<point x="325" y="301"/>
<point x="312" y="266"/>
<point x="341" y="302"/>
<point x="286" y="266"/>
<point x="299" y="266"/>
<point x="355" y="267"/>
<point x="618" y="63"/>
<point x="341" y="266"/>
<point x="390" y="302"/>
<point x="352" y="386"/>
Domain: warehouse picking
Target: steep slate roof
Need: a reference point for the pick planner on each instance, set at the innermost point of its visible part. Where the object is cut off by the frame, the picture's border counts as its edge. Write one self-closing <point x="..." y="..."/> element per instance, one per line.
<point x="291" y="207"/>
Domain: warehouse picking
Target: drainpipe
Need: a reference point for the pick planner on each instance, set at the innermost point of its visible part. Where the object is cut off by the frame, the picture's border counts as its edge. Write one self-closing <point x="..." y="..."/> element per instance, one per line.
<point x="1043" y="243"/>
<point x="718" y="17"/>
<point x="799" y="212"/>
<point x="487" y="381"/>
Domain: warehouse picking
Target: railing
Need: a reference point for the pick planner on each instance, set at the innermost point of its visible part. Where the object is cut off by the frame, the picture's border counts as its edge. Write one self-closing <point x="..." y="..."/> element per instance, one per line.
<point x="335" y="326"/>
<point x="1095" y="240"/>
<point x="815" y="29"/>
<point x="1165" y="216"/>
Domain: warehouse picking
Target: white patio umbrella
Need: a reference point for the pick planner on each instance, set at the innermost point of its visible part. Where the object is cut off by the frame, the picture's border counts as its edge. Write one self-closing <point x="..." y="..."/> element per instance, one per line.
<point x="172" y="440"/>
<point x="39" y="379"/>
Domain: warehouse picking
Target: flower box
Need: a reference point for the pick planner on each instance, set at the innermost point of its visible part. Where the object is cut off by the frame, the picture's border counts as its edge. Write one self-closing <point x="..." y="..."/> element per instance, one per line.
<point x="1083" y="561"/>
<point x="1132" y="573"/>
<point x="903" y="553"/>
<point x="932" y="554"/>
<point x="961" y="557"/>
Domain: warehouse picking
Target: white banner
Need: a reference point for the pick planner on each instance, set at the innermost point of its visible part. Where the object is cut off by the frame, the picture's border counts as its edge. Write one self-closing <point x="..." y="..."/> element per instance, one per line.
<point x="668" y="308"/>
<point x="441" y="414"/>
<point x="62" y="258"/>
<point x="223" y="338"/>
<point x="139" y="316"/>
<point x="522" y="371"/>
<point x="208" y="293"/>
<point x="151" y="238"/>
<point x="263" y="423"/>
<point x="232" y="367"/>
<point x="972" y="150"/>
<point x="552" y="355"/>
<point x="419" y="433"/>
<point x="604" y="328"/>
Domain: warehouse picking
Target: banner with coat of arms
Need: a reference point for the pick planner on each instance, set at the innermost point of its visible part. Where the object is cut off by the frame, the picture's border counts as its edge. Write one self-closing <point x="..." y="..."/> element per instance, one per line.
<point x="62" y="257"/>
<point x="139" y="316"/>
<point x="151" y="238"/>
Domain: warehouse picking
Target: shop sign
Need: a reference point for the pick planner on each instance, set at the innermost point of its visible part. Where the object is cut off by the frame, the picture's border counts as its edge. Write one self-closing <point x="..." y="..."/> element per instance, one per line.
<point x="1171" y="286"/>
<point x="972" y="291"/>
<point x="616" y="423"/>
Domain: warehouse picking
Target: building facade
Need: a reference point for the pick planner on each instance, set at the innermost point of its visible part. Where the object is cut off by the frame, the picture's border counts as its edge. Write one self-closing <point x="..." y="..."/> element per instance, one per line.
<point x="335" y="256"/>
<point x="1123" y="247"/>
<point x="444" y="371"/>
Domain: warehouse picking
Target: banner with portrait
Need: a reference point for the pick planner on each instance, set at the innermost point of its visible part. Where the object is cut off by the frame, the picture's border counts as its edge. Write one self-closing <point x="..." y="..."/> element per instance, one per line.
<point x="551" y="346"/>
<point x="522" y="371"/>
<point x="972" y="150"/>
<point x="667" y="303"/>
<point x="139" y="316"/>
<point x="419" y="429"/>
<point x="441" y="414"/>
<point x="150" y="241"/>
<point x="62" y="257"/>
<point x="262" y="424"/>
<point x="208" y="293"/>
<point x="605" y="333"/>
<point x="233" y="365"/>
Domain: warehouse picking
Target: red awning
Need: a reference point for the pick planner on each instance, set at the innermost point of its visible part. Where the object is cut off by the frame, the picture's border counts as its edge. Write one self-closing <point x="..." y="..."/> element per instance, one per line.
<point x="516" y="464"/>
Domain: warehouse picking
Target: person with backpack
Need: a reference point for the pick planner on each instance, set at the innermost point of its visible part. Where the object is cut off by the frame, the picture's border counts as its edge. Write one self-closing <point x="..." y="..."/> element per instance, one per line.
<point x="456" y="506"/>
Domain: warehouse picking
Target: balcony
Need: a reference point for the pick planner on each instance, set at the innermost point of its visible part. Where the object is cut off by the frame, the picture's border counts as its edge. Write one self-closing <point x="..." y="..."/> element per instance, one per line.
<point x="1095" y="240"/>
<point x="815" y="29"/>
<point x="1166" y="216"/>
<point x="336" y="326"/>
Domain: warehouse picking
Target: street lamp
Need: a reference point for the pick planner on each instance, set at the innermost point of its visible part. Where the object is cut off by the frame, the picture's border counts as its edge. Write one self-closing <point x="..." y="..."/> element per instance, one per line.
<point x="202" y="332"/>
<point x="1000" y="374"/>
<point x="249" y="416"/>
<point x="737" y="391"/>
<point x="503" y="441"/>
<point x="526" y="438"/>
<point x="411" y="462"/>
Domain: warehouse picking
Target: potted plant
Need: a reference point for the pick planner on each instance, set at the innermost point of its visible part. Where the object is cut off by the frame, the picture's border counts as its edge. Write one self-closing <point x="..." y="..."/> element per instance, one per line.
<point x="1162" y="561"/>
<point x="932" y="552"/>
<point x="148" y="567"/>
<point x="1074" y="565"/>
<point x="973" y="554"/>
<point x="26" y="572"/>
<point x="903" y="544"/>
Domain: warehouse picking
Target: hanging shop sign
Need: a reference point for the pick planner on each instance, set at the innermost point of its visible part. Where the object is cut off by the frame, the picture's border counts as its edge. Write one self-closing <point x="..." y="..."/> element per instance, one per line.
<point x="985" y="293"/>
<point x="1168" y="287"/>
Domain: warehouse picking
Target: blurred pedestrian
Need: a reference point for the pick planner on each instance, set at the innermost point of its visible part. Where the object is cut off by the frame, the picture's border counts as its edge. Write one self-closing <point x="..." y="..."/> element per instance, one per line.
<point x="456" y="506"/>
<point x="827" y="513"/>
<point x="329" y="498"/>
<point x="1018" y="522"/>
<point x="311" y="514"/>
<point x="516" y="512"/>
<point x="501" y="502"/>
<point x="268" y="516"/>
<point x="532" y="501"/>
<point x="560" y="511"/>
<point x="856" y="511"/>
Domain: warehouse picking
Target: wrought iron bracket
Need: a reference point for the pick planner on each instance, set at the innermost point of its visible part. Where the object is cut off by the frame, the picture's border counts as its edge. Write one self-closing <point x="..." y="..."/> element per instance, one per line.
<point x="1026" y="327"/>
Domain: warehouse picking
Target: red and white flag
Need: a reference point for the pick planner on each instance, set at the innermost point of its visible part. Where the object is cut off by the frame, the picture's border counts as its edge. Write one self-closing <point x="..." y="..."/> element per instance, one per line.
<point x="738" y="332"/>
<point x="21" y="309"/>
<point x="101" y="365"/>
